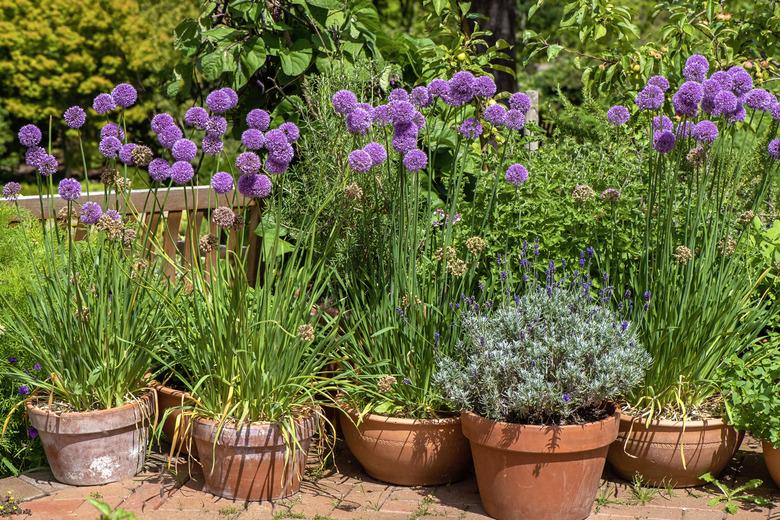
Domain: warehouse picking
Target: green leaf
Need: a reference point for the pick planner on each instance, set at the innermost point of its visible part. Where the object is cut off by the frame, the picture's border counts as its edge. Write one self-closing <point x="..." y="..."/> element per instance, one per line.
<point x="599" y="32"/>
<point x="211" y="65"/>
<point x="187" y="37"/>
<point x="296" y="60"/>
<point x="326" y="4"/>
<point x="553" y="51"/>
<point x="253" y="55"/>
<point x="439" y="6"/>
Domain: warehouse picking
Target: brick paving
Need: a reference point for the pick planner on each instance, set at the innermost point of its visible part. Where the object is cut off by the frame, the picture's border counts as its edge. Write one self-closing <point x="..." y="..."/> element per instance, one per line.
<point x="349" y="494"/>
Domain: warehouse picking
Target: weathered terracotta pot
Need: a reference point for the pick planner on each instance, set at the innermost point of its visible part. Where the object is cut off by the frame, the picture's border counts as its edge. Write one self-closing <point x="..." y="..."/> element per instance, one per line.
<point x="654" y="452"/>
<point x="539" y="472"/>
<point x="408" y="452"/>
<point x="93" y="448"/>
<point x="171" y="399"/>
<point x="772" y="459"/>
<point x="248" y="461"/>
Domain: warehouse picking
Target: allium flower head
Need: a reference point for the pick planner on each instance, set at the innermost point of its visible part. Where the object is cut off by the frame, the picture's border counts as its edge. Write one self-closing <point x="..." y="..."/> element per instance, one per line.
<point x="420" y="97"/>
<point x="759" y="99"/>
<point x="662" y="123"/>
<point x="470" y="128"/>
<point x="34" y="155"/>
<point x="686" y="100"/>
<point x="401" y="112"/>
<point x="69" y="189"/>
<point x="737" y="115"/>
<point x="184" y="150"/>
<point x="360" y="161"/>
<point x="649" y="98"/>
<point x="359" y="121"/>
<point x="775" y="110"/>
<point x="520" y="101"/>
<point x="515" y="120"/>
<point x="398" y="94"/>
<point x="30" y="135"/>
<point x="113" y="215"/>
<point x="381" y="115"/>
<point x="682" y="255"/>
<point x="495" y="114"/>
<point x="124" y="95"/>
<point x="344" y="101"/>
<point x="415" y="160"/>
<point x="11" y="190"/>
<point x="248" y="163"/>
<point x="181" y="172"/>
<point x="741" y="79"/>
<point x="275" y="165"/>
<point x="219" y="101"/>
<point x="377" y="153"/>
<point x="774" y="148"/>
<point x="660" y="82"/>
<point x="403" y="142"/>
<point x="258" y="119"/>
<point x="705" y="131"/>
<point x="212" y="145"/>
<point x="75" y="117"/>
<point x="162" y="121"/>
<point x="276" y="140"/>
<point x="126" y="153"/>
<point x="159" y="170"/>
<point x="196" y="117"/>
<point x="110" y="146"/>
<point x="439" y="88"/>
<point x="222" y="182"/>
<point x="254" y="186"/>
<point x="112" y="129"/>
<point x="696" y="68"/>
<point x="223" y="217"/>
<point x="48" y="165"/>
<point x="611" y="195"/>
<point x="725" y="103"/>
<point x="516" y="174"/>
<point x="291" y="131"/>
<point x="719" y="80"/>
<point x="90" y="213"/>
<point x="216" y="126"/>
<point x="618" y="115"/>
<point x="169" y="135"/>
<point x="418" y="120"/>
<point x="253" y="139"/>
<point x="103" y="103"/>
<point x="232" y="96"/>
<point x="484" y="86"/>
<point x="461" y="88"/>
<point x="663" y="141"/>
<point x="282" y="154"/>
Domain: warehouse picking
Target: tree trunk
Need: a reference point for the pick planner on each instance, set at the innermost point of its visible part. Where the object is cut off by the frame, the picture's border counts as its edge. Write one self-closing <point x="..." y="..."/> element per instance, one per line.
<point x="500" y="18"/>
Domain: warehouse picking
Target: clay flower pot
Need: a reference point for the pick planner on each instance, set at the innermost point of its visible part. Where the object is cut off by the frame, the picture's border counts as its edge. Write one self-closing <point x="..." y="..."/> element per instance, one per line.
<point x="251" y="461"/>
<point x="654" y="452"/>
<point x="772" y="459"/>
<point x="539" y="472"/>
<point x="408" y="452"/>
<point x="171" y="399"/>
<point x="94" y="448"/>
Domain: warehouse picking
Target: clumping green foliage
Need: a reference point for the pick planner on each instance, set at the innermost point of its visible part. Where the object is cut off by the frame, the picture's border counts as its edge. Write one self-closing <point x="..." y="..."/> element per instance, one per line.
<point x="555" y="356"/>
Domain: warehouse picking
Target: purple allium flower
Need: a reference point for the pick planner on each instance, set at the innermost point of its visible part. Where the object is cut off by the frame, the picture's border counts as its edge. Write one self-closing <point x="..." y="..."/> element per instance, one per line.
<point x="69" y="189"/>
<point x="687" y="99"/>
<point x="363" y="106"/>
<point x="212" y="145"/>
<point x="461" y="88"/>
<point x="742" y="82"/>
<point x="759" y="99"/>
<point x="520" y="101"/>
<point x="113" y="215"/>
<point x="495" y="114"/>
<point x="169" y="135"/>
<point x="184" y="150"/>
<point x="75" y="117"/>
<point x="403" y="142"/>
<point x="470" y="128"/>
<point x="222" y="182"/>
<point x="34" y="155"/>
<point x="684" y="129"/>
<point x="196" y="117"/>
<point x="11" y="190"/>
<point x="775" y="110"/>
<point x="276" y="140"/>
<point x="398" y="94"/>
<point x="159" y="170"/>
<point x="181" y="172"/>
<point x="515" y="120"/>
<point x="725" y="103"/>
<point x="232" y="96"/>
<point x="125" y="153"/>
<point x="253" y="139"/>
<point x="663" y="141"/>
<point x="377" y="153"/>
<point x="219" y="101"/>
<point x="344" y="101"/>
<point x="401" y="112"/>
<point x="112" y="130"/>
<point x="90" y="213"/>
<point x="162" y="121"/>
<point x="124" y="95"/>
<point x="649" y="98"/>
<point x="660" y="82"/>
<point x="439" y="88"/>
<point x="32" y="432"/>
<point x="618" y="115"/>
<point x="415" y="160"/>
<point x="258" y="119"/>
<point x="37" y="367"/>
<point x="48" y="165"/>
<point x="737" y="115"/>
<point x="705" y="131"/>
<point x="110" y="146"/>
<point x="248" y="163"/>
<point x="418" y="120"/>
<point x="274" y="166"/>
<point x="662" y="123"/>
<point x="774" y="148"/>
<point x="381" y="115"/>
<point x="216" y="126"/>
<point x="30" y="135"/>
<point x="24" y="390"/>
<point x="516" y="174"/>
<point x="484" y="86"/>
<point x="291" y="131"/>
<point x="720" y="80"/>
<point x="696" y="68"/>
<point x="360" y="161"/>
<point x="254" y="186"/>
<point x="282" y="154"/>
<point x="420" y="97"/>
<point x="103" y="103"/>
<point x="359" y="121"/>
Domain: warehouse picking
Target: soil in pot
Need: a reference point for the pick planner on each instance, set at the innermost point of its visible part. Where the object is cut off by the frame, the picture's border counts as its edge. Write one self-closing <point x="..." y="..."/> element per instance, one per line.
<point x="408" y="452"/>
<point x="772" y="459"/>
<point x="97" y="447"/>
<point x="251" y="461"/>
<point x="180" y="436"/>
<point x="536" y="471"/>
<point x="655" y="452"/>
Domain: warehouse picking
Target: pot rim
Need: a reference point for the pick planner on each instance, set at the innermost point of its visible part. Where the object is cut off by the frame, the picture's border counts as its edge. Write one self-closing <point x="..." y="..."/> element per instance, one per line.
<point x="698" y="424"/>
<point x="389" y="419"/>
<point x="231" y="424"/>
<point x="474" y="417"/>
<point x="32" y="407"/>
<point x="165" y="389"/>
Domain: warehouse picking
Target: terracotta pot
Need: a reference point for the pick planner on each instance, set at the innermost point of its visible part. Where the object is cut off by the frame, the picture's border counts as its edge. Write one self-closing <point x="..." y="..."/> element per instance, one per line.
<point x="248" y="462"/>
<point x="772" y="459"/>
<point x="408" y="452"/>
<point x="171" y="399"/>
<point x="93" y="448"/>
<point x="540" y="472"/>
<point x="655" y="452"/>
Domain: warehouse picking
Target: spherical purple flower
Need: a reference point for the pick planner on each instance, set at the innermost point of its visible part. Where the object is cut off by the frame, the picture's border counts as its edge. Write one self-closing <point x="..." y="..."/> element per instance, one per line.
<point x="684" y="129"/>
<point x="124" y="95"/>
<point x="212" y="145"/>
<point x="196" y="117"/>
<point x="216" y="126"/>
<point x="737" y="115"/>
<point x="401" y="112"/>
<point x="649" y="98"/>
<point x="90" y="213"/>
<point x="418" y="120"/>
<point x="484" y="86"/>
<point x="415" y="160"/>
<point x="377" y="153"/>
<point x="232" y="96"/>
<point x="660" y="82"/>
<point x="495" y="114"/>
<point x="34" y="155"/>
<point x="359" y="121"/>
<point x="687" y="98"/>
<point x="161" y="122"/>
<point x="696" y="68"/>
<point x="159" y="170"/>
<point x="403" y="142"/>
<point x="276" y="140"/>
<point x="420" y="97"/>
<point x="618" y="115"/>
<point x="113" y="215"/>
<point x="344" y="101"/>
<point x="24" y="390"/>
<point x="515" y="119"/>
<point x="254" y="186"/>
<point x="48" y="165"/>
<point x="103" y="103"/>
<point x="275" y="167"/>
<point x="109" y="146"/>
<point x="69" y="189"/>
<point x="470" y="128"/>
<point x="663" y="141"/>
<point x="75" y="117"/>
<point x="360" y="161"/>
<point x="520" y="101"/>
<point x="253" y="139"/>
<point x="381" y="115"/>
<point x="439" y="88"/>
<point x="291" y="130"/>
<point x="282" y="154"/>
<point x="125" y="153"/>
<point x="11" y="190"/>
<point x="662" y="123"/>
<point x="725" y="103"/>
<point x="775" y="110"/>
<point x="30" y="135"/>
<point x="398" y="94"/>
<point x="181" y="172"/>
<point x="169" y="135"/>
<point x="248" y="163"/>
<point x="742" y="82"/>
<point x="461" y="88"/>
<point x="218" y="101"/>
<point x="222" y="182"/>
<point x="516" y="174"/>
<point x="705" y="131"/>
<point x="258" y="119"/>
<point x="759" y="99"/>
<point x="774" y="148"/>
<point x="112" y="130"/>
<point x="184" y="150"/>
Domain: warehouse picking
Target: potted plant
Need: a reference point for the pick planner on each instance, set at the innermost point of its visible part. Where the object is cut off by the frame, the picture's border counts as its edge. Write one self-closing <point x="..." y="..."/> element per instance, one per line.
<point x="700" y="303"/>
<point x="536" y="380"/>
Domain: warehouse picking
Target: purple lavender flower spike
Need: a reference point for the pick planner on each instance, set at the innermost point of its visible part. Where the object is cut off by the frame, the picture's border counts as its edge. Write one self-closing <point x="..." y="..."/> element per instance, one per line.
<point x="663" y="141"/>
<point x="344" y="101"/>
<point x="124" y="95"/>
<point x="75" y="117"/>
<point x="415" y="160"/>
<point x="618" y="115"/>
<point x="103" y="103"/>
<point x="184" y="150"/>
<point x="222" y="182"/>
<point x="696" y="68"/>
<point x="181" y="172"/>
<point x="253" y="139"/>
<point x="90" y="213"/>
<point x="159" y="170"/>
<point x="495" y="114"/>
<point x="196" y="117"/>
<point x="258" y="119"/>
<point x="516" y="174"/>
<point x="30" y="135"/>
<point x="69" y="189"/>
<point x="705" y="131"/>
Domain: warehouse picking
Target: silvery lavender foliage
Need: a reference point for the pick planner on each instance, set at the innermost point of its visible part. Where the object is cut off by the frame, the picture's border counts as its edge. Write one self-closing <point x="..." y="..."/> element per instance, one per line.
<point x="554" y="356"/>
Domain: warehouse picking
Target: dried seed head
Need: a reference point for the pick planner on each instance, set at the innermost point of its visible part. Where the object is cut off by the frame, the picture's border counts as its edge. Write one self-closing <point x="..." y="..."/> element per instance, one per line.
<point x="747" y="217"/>
<point x="386" y="383"/>
<point x="727" y="246"/>
<point x="306" y="333"/>
<point x="682" y="255"/>
<point x="122" y="184"/>
<point x="476" y="245"/>
<point x="141" y="155"/>
<point x="128" y="236"/>
<point x="696" y="156"/>
<point x="354" y="191"/>
<point x="582" y="193"/>
<point x="207" y="244"/>
<point x="108" y="175"/>
<point x="457" y="267"/>
<point x="223" y="217"/>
